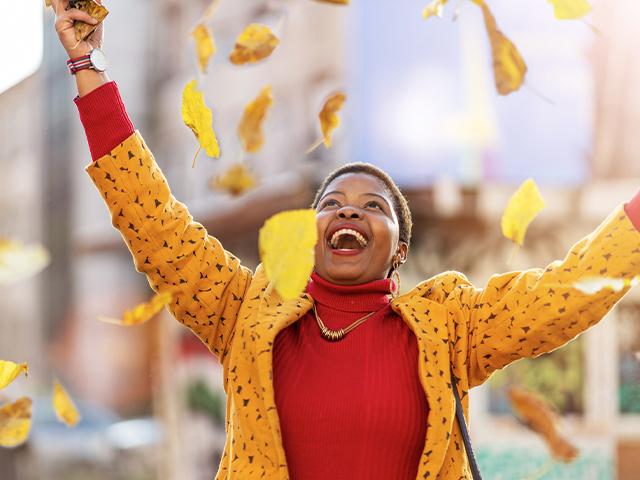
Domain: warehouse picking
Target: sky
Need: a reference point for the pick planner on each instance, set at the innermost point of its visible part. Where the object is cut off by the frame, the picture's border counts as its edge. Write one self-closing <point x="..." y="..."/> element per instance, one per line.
<point x="21" y="54"/>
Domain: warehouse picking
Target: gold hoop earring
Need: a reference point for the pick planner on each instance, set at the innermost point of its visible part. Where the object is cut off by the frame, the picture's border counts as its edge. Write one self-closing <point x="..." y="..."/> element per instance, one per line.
<point x="395" y="282"/>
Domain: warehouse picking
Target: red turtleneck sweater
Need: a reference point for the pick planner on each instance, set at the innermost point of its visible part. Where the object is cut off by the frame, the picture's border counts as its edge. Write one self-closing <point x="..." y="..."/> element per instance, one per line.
<point x="352" y="409"/>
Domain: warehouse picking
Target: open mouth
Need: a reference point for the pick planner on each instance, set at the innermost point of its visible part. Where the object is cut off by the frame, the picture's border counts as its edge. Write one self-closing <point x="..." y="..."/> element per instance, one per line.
<point x="347" y="239"/>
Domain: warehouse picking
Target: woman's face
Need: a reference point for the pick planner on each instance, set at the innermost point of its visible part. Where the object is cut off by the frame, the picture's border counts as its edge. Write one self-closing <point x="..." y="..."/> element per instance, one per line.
<point x="358" y="233"/>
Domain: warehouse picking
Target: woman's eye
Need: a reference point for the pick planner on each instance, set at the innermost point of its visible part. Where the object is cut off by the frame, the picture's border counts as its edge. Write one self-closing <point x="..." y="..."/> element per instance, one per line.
<point x="374" y="205"/>
<point x="329" y="203"/>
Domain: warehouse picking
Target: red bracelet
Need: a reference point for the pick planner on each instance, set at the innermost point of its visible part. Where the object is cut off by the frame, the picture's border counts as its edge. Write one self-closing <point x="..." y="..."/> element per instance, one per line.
<point x="79" y="63"/>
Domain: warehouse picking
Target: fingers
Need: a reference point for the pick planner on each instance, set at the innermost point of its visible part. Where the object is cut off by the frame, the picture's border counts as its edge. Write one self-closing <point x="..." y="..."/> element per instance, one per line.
<point x="59" y="6"/>
<point x="69" y="16"/>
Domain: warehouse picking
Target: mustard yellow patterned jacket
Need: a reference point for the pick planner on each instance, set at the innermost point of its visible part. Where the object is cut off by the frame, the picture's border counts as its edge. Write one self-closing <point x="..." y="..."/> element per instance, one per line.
<point x="476" y="331"/>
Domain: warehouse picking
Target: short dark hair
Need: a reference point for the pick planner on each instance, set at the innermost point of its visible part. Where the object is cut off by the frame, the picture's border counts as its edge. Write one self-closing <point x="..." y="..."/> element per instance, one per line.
<point x="400" y="204"/>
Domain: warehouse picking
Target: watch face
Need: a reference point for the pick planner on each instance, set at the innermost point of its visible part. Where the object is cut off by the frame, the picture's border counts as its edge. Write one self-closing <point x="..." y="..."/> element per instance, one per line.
<point x="99" y="60"/>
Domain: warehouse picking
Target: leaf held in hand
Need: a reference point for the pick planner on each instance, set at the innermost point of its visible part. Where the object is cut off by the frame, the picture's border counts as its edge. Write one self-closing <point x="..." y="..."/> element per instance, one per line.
<point x="18" y="261"/>
<point x="287" y="250"/>
<point x="524" y="205"/>
<point x="235" y="181"/>
<point x="9" y="371"/>
<point x="97" y="11"/>
<point x="205" y="45"/>
<point x="508" y="65"/>
<point x="434" y="9"/>
<point x="255" y="43"/>
<point x="15" y="422"/>
<point x="592" y="285"/>
<point x="250" y="129"/>
<point x="65" y="409"/>
<point x="570" y="9"/>
<point x="199" y="118"/>
<point x="142" y="312"/>
<point x="541" y="418"/>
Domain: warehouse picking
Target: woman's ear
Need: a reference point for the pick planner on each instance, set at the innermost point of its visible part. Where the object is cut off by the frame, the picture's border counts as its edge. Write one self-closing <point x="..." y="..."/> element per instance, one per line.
<point x="403" y="251"/>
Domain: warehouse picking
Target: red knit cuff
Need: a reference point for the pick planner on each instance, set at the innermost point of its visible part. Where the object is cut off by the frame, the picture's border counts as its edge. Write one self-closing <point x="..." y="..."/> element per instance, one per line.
<point x="633" y="211"/>
<point x="104" y="118"/>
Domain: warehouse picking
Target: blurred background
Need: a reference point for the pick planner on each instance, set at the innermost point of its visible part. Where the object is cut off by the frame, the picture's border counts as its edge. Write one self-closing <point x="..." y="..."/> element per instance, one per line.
<point x="421" y="104"/>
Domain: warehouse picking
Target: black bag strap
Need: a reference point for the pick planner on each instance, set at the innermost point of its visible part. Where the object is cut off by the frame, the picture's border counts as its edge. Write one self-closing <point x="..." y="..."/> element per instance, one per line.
<point x="475" y="471"/>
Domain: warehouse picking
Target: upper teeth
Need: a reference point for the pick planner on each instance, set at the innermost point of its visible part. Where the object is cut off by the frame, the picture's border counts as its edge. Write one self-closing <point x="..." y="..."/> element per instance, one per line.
<point x="347" y="231"/>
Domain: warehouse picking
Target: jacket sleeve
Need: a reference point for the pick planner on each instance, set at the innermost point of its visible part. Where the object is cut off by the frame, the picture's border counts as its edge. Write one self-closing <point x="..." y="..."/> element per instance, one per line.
<point x="528" y="313"/>
<point x="173" y="251"/>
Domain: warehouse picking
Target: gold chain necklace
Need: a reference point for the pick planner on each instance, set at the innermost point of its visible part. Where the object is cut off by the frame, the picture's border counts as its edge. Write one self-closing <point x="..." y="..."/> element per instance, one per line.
<point x="335" y="335"/>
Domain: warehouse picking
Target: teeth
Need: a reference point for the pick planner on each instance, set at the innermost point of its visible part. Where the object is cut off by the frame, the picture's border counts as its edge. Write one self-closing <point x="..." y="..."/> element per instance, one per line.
<point x="347" y="231"/>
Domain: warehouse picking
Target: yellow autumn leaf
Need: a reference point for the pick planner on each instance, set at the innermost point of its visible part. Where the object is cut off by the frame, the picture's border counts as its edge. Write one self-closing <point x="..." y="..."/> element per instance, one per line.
<point x="592" y="285"/>
<point x="536" y="413"/>
<point x="97" y="11"/>
<point x="524" y="205"/>
<point x="287" y="250"/>
<point x="250" y="129"/>
<point x="508" y="66"/>
<point x="335" y="2"/>
<point x="9" y="371"/>
<point x="570" y="9"/>
<point x="65" y="409"/>
<point x="434" y="9"/>
<point x="205" y="45"/>
<point x="142" y="312"/>
<point x="235" y="181"/>
<point x="329" y="119"/>
<point x="15" y="422"/>
<point x="199" y="118"/>
<point x="18" y="261"/>
<point x="255" y="43"/>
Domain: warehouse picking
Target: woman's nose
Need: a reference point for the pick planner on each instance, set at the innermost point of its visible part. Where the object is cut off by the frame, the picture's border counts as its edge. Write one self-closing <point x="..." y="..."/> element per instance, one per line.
<point x="348" y="212"/>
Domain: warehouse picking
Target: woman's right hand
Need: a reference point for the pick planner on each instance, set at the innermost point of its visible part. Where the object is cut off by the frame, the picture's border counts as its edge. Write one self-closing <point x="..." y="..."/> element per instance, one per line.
<point x="65" y="17"/>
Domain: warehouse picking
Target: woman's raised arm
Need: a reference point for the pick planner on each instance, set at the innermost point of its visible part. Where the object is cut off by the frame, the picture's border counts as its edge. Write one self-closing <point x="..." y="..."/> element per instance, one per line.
<point x="173" y="251"/>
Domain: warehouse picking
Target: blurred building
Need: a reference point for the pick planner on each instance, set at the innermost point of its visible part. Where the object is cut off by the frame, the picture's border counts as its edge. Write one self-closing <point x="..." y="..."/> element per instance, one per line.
<point x="421" y="104"/>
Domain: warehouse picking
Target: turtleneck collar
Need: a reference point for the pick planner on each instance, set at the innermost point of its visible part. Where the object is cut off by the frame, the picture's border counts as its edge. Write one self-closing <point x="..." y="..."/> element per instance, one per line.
<point x="365" y="297"/>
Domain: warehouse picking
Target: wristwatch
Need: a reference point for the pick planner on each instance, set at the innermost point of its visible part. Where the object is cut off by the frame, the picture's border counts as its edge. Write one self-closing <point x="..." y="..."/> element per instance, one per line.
<point x="95" y="59"/>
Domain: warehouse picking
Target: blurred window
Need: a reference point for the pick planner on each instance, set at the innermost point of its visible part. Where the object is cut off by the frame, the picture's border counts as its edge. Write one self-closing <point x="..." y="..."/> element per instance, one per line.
<point x="20" y="40"/>
<point x="629" y="358"/>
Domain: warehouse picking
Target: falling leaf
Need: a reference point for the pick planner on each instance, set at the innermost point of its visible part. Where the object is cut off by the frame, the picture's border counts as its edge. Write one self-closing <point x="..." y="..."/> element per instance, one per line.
<point x="523" y="207"/>
<point x="250" y="128"/>
<point x="18" y="261"/>
<point x="540" y="418"/>
<point x="205" y="45"/>
<point x="434" y="9"/>
<point x="199" y="118"/>
<point x="592" y="285"/>
<point x="235" y="181"/>
<point x="97" y="11"/>
<point x="570" y="9"/>
<point x="15" y="422"/>
<point x="329" y="119"/>
<point x="508" y="66"/>
<point x="143" y="312"/>
<point x="336" y="2"/>
<point x="9" y="371"/>
<point x="65" y="409"/>
<point x="255" y="43"/>
<point x="287" y="250"/>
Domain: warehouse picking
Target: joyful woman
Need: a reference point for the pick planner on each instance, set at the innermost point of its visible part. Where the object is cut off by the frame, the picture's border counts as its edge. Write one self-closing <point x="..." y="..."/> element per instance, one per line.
<point x="303" y="402"/>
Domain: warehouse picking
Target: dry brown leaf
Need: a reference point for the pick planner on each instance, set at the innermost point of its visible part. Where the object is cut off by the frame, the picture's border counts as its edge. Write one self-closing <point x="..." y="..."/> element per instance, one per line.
<point x="205" y="45"/>
<point x="235" y="181"/>
<point x="143" y="312"/>
<point x="508" y="66"/>
<point x="255" y="43"/>
<point x="250" y="129"/>
<point x="97" y="11"/>
<point x="541" y="418"/>
<point x="15" y="422"/>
